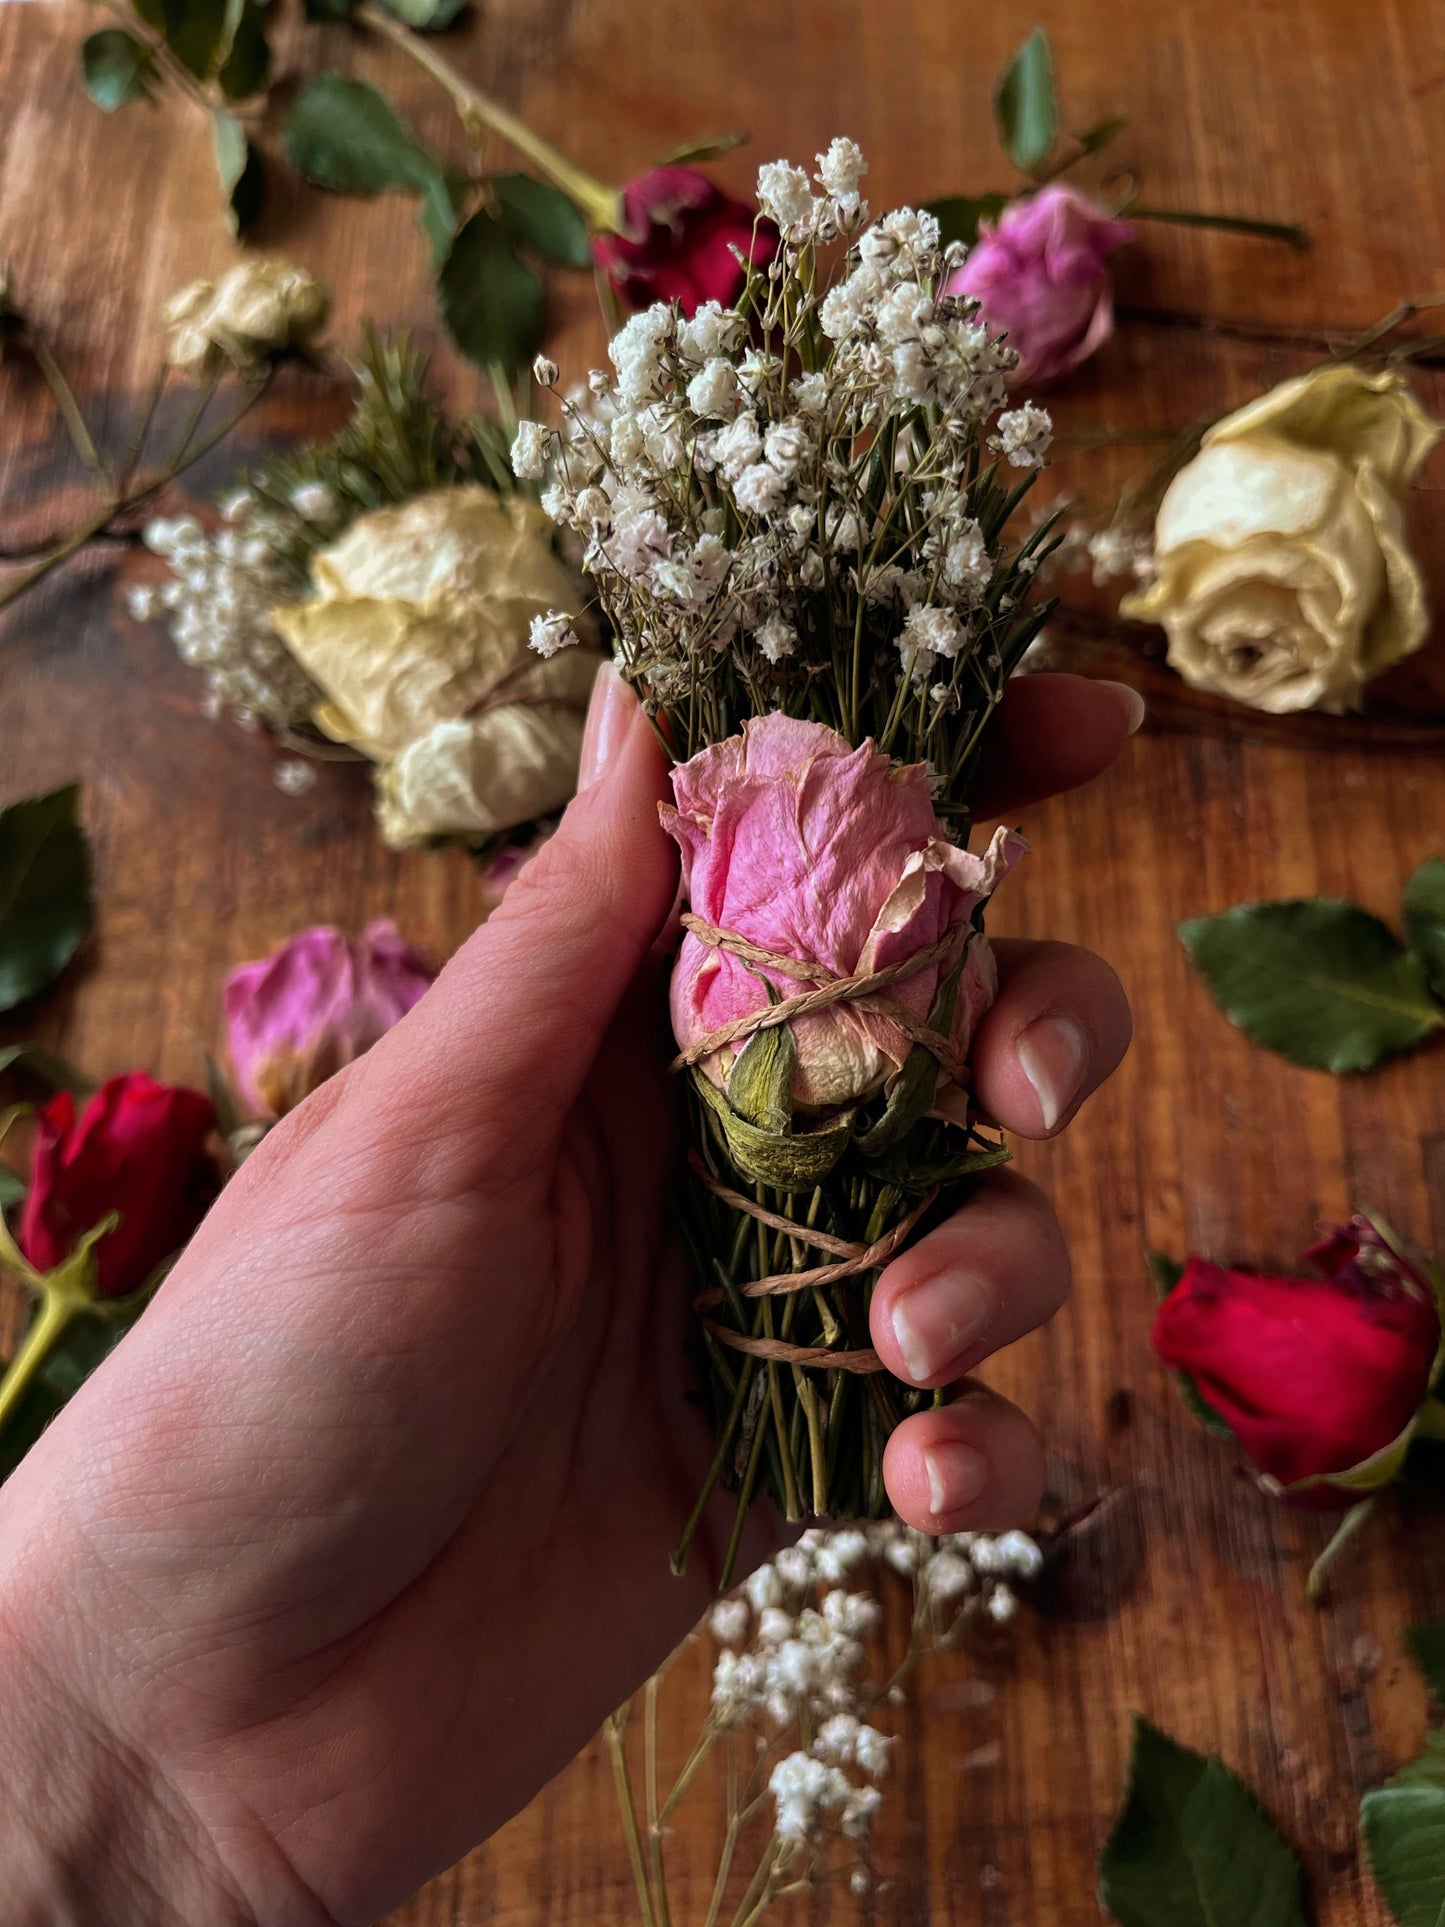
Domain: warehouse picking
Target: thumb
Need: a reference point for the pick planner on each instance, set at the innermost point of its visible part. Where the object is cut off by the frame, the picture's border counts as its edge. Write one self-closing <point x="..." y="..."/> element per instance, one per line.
<point x="507" y="1034"/>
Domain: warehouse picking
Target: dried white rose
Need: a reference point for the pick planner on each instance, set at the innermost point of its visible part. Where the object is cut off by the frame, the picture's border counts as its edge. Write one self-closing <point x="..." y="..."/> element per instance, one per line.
<point x="257" y="309"/>
<point x="1283" y="575"/>
<point x="418" y="636"/>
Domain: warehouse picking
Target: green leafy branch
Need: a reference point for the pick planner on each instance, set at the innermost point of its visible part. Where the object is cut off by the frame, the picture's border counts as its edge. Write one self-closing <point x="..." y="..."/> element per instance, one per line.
<point x="487" y="232"/>
<point x="1324" y="983"/>
<point x="1027" y="119"/>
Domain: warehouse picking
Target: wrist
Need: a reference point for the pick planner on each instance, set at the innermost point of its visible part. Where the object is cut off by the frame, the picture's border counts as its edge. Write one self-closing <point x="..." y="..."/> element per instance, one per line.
<point x="90" y="1834"/>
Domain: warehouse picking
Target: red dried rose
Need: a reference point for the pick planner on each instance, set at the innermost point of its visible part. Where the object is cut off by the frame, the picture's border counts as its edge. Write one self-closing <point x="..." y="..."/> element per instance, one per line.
<point x="1312" y="1375"/>
<point x="679" y="229"/>
<point x="138" y="1148"/>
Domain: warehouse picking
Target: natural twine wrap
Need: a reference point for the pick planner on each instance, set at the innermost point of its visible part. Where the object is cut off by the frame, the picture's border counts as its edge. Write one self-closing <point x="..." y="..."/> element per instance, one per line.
<point x="851" y="1258"/>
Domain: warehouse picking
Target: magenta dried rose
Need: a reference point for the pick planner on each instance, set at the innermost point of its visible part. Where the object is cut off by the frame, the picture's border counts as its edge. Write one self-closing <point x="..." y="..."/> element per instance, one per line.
<point x="1041" y="277"/>
<point x="679" y="231"/>
<point x="295" y="1018"/>
<point x="137" y="1148"/>
<point x="825" y="854"/>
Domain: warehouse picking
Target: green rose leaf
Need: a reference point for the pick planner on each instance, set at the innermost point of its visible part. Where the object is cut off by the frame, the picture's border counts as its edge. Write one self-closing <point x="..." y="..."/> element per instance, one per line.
<point x="1425" y="919"/>
<point x="12" y="1188"/>
<point x="490" y="300"/>
<point x="346" y="136"/>
<point x="958" y="216"/>
<point x="1166" y="1273"/>
<point x="1427" y="1644"/>
<point x="442" y="207"/>
<point x="245" y="67"/>
<point x="1403" y="1823"/>
<point x="691" y="152"/>
<point x="117" y="68"/>
<point x="43" y="1064"/>
<point x="196" y="31"/>
<point x="1102" y="134"/>
<point x="45" y="907"/>
<point x="1320" y="981"/>
<point x="1192" y="1848"/>
<point x="542" y="219"/>
<point x="239" y="168"/>
<point x="1025" y="110"/>
<point x="428" y="15"/>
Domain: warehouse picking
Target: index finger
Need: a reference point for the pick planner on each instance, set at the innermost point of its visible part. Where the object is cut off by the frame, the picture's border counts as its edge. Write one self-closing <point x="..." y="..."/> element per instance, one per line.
<point x="1050" y="733"/>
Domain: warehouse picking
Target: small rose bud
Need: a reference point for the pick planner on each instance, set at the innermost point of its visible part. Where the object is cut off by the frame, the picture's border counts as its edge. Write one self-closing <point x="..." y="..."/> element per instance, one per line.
<point x="682" y="240"/>
<point x="295" y="1018"/>
<point x="138" y="1148"/>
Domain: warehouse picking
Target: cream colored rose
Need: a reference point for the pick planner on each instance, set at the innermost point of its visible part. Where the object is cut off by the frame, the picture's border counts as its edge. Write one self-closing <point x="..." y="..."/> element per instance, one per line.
<point x="1283" y="576"/>
<point x="256" y="309"/>
<point x="418" y="636"/>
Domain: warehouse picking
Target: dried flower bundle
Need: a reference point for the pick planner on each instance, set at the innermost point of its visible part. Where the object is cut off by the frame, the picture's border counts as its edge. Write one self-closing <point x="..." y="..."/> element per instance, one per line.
<point x="796" y="514"/>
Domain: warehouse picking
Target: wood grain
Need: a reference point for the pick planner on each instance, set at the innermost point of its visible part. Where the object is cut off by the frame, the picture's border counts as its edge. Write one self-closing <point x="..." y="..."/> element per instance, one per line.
<point x="1192" y="1609"/>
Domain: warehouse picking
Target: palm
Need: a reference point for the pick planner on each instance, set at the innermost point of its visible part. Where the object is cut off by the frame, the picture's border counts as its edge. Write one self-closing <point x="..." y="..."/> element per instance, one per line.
<point x="502" y="1460"/>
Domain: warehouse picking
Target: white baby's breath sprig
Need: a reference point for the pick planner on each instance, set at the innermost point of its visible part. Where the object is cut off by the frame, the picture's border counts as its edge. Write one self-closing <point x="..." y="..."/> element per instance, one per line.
<point x="801" y="1700"/>
<point x="796" y="501"/>
<point x="551" y="633"/>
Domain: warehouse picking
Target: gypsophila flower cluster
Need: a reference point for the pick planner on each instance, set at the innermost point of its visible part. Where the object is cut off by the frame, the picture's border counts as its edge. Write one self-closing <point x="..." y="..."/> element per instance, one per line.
<point x="216" y="602"/>
<point x="802" y="503"/>
<point x="793" y="1658"/>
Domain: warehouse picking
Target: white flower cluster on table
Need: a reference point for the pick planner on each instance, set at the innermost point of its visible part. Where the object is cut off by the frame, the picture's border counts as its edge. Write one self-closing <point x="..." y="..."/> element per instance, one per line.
<point x="793" y="1655"/>
<point x="719" y="485"/>
<point x="217" y="600"/>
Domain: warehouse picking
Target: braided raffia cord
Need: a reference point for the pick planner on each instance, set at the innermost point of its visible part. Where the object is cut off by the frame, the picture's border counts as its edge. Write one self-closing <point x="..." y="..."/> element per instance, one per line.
<point x="829" y="988"/>
<point x="850" y="1259"/>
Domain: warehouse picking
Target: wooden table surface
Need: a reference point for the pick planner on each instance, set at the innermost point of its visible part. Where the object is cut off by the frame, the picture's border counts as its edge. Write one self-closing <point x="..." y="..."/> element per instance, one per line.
<point x="1190" y="1604"/>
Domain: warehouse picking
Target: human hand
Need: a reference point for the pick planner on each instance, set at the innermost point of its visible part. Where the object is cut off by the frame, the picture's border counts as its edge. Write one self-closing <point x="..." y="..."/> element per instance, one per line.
<point x="362" y="1531"/>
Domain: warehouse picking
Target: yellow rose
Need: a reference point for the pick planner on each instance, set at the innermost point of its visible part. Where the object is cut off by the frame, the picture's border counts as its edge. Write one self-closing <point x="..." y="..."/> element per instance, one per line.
<point x="418" y="636"/>
<point x="1283" y="576"/>
<point x="256" y="309"/>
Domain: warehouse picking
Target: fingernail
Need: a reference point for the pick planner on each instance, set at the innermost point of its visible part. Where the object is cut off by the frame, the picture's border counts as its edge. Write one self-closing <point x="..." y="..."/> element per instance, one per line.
<point x="1054" y="1054"/>
<point x="609" y="717"/>
<point x="1131" y="699"/>
<point x="957" y="1475"/>
<point x="938" y="1319"/>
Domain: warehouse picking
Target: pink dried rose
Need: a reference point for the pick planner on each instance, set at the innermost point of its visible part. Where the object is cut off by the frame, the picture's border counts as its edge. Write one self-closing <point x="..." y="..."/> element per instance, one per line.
<point x="820" y="852"/>
<point x="679" y="233"/>
<point x="295" y="1018"/>
<point x="1041" y="276"/>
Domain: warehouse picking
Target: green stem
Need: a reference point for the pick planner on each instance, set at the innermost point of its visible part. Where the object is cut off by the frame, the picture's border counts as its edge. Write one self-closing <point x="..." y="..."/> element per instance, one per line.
<point x="714" y="1471"/>
<point x="187" y="452"/>
<point x="602" y="205"/>
<point x="1289" y="232"/>
<point x="654" y="1829"/>
<point x="755" y="1901"/>
<point x="69" y="407"/>
<point x="1343" y="1533"/>
<point x="57" y="1312"/>
<point x="612" y="1728"/>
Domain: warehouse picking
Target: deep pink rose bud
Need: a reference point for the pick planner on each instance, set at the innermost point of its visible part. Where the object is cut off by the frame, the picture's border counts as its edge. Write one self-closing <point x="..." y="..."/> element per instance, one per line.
<point x="1041" y="276"/>
<point x="139" y="1148"/>
<point x="1314" y="1376"/>
<point x="295" y="1018"/>
<point x="679" y="232"/>
<point x="823" y="853"/>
